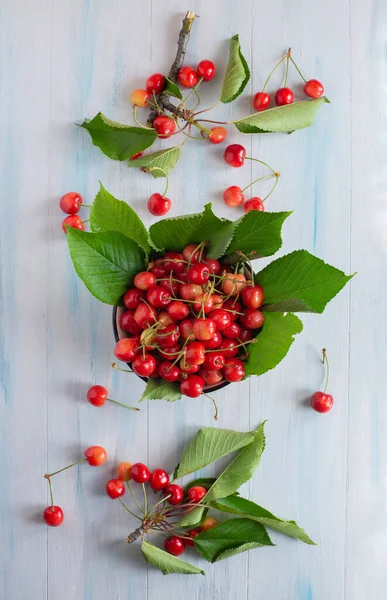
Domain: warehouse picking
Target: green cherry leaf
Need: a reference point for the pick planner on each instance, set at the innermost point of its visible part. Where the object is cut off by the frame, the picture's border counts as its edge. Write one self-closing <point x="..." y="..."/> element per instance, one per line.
<point x="209" y="445"/>
<point x="257" y="234"/>
<point x="194" y="518"/>
<point x="164" y="159"/>
<point x="230" y="538"/>
<point x="106" y="262"/>
<point x="282" y="119"/>
<point x="300" y="282"/>
<point x="166" y="562"/>
<point x="159" y="389"/>
<point x="171" y="89"/>
<point x="273" y="342"/>
<point x="109" y="214"/>
<point x="240" y="470"/>
<point x="116" y="140"/>
<point x="237" y="73"/>
<point x="241" y="506"/>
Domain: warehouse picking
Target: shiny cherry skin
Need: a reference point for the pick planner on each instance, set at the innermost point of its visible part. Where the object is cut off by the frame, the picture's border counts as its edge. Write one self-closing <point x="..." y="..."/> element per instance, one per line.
<point x="217" y="135"/>
<point x="208" y="523"/>
<point x="321" y="402"/>
<point x="95" y="456"/>
<point x="214" y="361"/>
<point x="195" y="353"/>
<point x="53" y="516"/>
<point x="284" y="96"/>
<point x="213" y="265"/>
<point x="204" y="329"/>
<point x="174" y="545"/>
<point x="196" y="493"/>
<point x="140" y="473"/>
<point x="144" y="365"/>
<point x="123" y="471"/>
<point x="178" y="310"/>
<point x="232" y="331"/>
<point x="191" y="253"/>
<point x="168" y="336"/>
<point x="97" y="395"/>
<point x="188" y="368"/>
<point x="70" y="203"/>
<point x="234" y="306"/>
<point x="228" y="347"/>
<point x="187" y="77"/>
<point x="171" y="352"/>
<point x="233" y="196"/>
<point x="169" y="371"/>
<point x="254" y="203"/>
<point x="253" y="296"/>
<point x="155" y="83"/>
<point x="252" y="318"/>
<point x="133" y="297"/>
<point x="159" y="205"/>
<point x="221" y="317"/>
<point x="245" y="335"/>
<point x="233" y="283"/>
<point x="186" y="329"/>
<point x="214" y="342"/>
<point x="217" y="300"/>
<point x="140" y="98"/>
<point x="211" y="376"/>
<point x="190" y="291"/>
<point x="174" y="261"/>
<point x="192" y="386"/>
<point x="234" y="155"/>
<point x="313" y="88"/>
<point x="173" y="287"/>
<point x="158" y="269"/>
<point x="175" y="492"/>
<point x="128" y="323"/>
<point x="158" y="479"/>
<point x="191" y="533"/>
<point x="234" y="370"/>
<point x="158" y="296"/>
<point x="73" y="221"/>
<point x="206" y="70"/>
<point x="203" y="302"/>
<point x="145" y="315"/>
<point x="115" y="488"/>
<point x="127" y="349"/>
<point x="165" y="126"/>
<point x="261" y="101"/>
<point x="144" y="280"/>
<point x="199" y="273"/>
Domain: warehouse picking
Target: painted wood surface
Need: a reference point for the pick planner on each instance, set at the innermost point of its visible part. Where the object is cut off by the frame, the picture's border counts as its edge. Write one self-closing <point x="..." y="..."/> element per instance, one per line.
<point x="63" y="61"/>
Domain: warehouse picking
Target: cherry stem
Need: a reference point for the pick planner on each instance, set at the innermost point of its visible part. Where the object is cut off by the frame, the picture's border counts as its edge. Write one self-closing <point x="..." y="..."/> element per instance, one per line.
<point x="207" y="109"/>
<point x="193" y="91"/>
<point x="86" y="205"/>
<point x="65" y="468"/>
<point x="115" y="366"/>
<point x="145" y="498"/>
<point x="253" y="341"/>
<point x="257" y="180"/>
<point x="124" y="405"/>
<point x="262" y="163"/>
<point x="272" y="189"/>
<point x="158" y="503"/>
<point x="297" y="69"/>
<point x="326" y="361"/>
<point x="137" y="121"/>
<point x="271" y="72"/>
<point x="287" y="68"/>
<point x="166" y="178"/>
<point x="215" y="405"/>
<point x="198" y="101"/>
<point x="87" y="220"/>
<point x="129" y="511"/>
<point x="134" y="498"/>
<point x="51" y="494"/>
<point x="200" y="127"/>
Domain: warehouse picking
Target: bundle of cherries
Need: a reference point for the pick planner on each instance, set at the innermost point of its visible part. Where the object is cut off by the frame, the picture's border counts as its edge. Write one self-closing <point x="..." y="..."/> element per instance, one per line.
<point x="190" y="319"/>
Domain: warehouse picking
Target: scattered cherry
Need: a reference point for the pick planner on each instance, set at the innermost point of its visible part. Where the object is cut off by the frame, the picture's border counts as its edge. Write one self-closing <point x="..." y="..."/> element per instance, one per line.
<point x="95" y="456"/>
<point x="97" y="395"/>
<point x="123" y="471"/>
<point x="233" y="196"/>
<point x="70" y="203"/>
<point x="234" y="155"/>
<point x="217" y="135"/>
<point x="174" y="545"/>
<point x="159" y="479"/>
<point x="159" y="205"/>
<point x="261" y="101"/>
<point x="139" y="473"/>
<point x="53" y="516"/>
<point x="155" y="83"/>
<point x="321" y="401"/>
<point x="115" y="488"/>
<point x="73" y="221"/>
<point x="187" y="77"/>
<point x="140" y="98"/>
<point x="254" y="204"/>
<point x="206" y="70"/>
<point x="165" y="126"/>
<point x="313" y="88"/>
<point x="284" y="96"/>
<point x="175" y="492"/>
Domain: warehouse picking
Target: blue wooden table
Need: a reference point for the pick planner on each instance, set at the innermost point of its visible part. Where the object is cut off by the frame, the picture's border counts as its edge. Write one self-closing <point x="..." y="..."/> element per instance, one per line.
<point x="63" y="61"/>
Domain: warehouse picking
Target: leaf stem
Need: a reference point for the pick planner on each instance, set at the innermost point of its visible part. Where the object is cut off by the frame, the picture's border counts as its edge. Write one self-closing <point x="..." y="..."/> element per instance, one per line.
<point x="166" y="178"/>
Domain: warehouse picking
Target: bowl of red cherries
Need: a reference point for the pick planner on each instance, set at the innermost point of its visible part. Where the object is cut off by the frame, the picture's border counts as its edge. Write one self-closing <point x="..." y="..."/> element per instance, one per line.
<point x="189" y="320"/>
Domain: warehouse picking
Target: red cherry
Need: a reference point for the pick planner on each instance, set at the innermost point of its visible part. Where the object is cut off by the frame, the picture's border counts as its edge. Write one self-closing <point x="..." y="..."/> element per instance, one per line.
<point x="187" y="77"/>
<point x="139" y="473"/>
<point x="173" y="287"/>
<point x="284" y="96"/>
<point x="97" y="395"/>
<point x="214" y="361"/>
<point x="234" y="306"/>
<point x="234" y="155"/>
<point x="192" y="386"/>
<point x="139" y="98"/>
<point x="115" y="488"/>
<point x="213" y="265"/>
<point x="206" y="70"/>
<point x="233" y="196"/>
<point x="73" y="221"/>
<point x="183" y="276"/>
<point x="188" y="368"/>
<point x="127" y="349"/>
<point x="196" y="493"/>
<point x="158" y="205"/>
<point x="203" y="303"/>
<point x="228" y="347"/>
<point x="158" y="296"/>
<point x="214" y="342"/>
<point x="261" y="101"/>
<point x="217" y="135"/>
<point x="133" y="297"/>
<point x="217" y="300"/>
<point x="168" y="371"/>
<point x="128" y="323"/>
<point x="123" y="471"/>
<point x="155" y="83"/>
<point x="159" y="479"/>
<point x="221" y="317"/>
<point x="234" y="370"/>
<point x="164" y="126"/>
<point x="136" y="156"/>
<point x="313" y="88"/>
<point x="186" y="329"/>
<point x="70" y="203"/>
<point x="245" y="335"/>
<point x="144" y="365"/>
<point x="233" y="283"/>
<point x="165" y="319"/>
<point x="254" y="204"/>
<point x="95" y="456"/>
<point x="252" y="319"/>
<point x="53" y="516"/>
<point x="171" y="352"/>
<point x="178" y="310"/>
<point x="174" y="261"/>
<point x="204" y="329"/>
<point x="190" y="291"/>
<point x="145" y="315"/>
<point x="321" y="402"/>
<point x="191" y="253"/>
<point x="199" y="273"/>
<point x="174" y="545"/>
<point x="144" y="280"/>
<point x="211" y="376"/>
<point x="168" y="336"/>
<point x="175" y="492"/>
<point x="191" y="533"/>
<point x="232" y="331"/>
<point x="253" y="296"/>
<point x="195" y="353"/>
